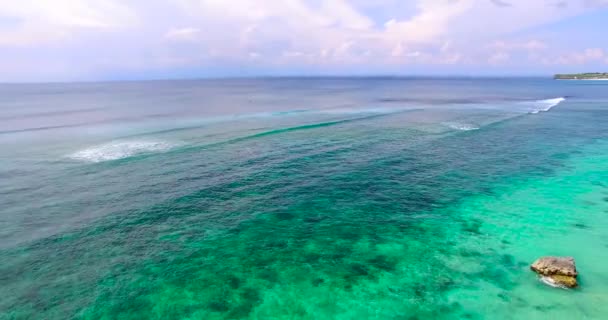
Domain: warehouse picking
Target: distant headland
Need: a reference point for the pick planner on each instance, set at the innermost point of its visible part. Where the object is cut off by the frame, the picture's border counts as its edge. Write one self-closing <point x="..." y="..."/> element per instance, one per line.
<point x="582" y="76"/>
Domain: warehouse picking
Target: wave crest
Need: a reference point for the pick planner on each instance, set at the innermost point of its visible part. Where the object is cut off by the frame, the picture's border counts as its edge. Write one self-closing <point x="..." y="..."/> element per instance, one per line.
<point x="546" y="105"/>
<point x="460" y="126"/>
<point x="120" y="150"/>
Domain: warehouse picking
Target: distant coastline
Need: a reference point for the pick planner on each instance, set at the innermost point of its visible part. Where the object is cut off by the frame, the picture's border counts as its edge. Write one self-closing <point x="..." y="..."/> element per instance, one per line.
<point x="582" y="76"/>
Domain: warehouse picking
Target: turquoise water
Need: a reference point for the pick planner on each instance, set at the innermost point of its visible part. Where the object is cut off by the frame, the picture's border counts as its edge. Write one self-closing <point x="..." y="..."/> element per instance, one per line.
<point x="302" y="199"/>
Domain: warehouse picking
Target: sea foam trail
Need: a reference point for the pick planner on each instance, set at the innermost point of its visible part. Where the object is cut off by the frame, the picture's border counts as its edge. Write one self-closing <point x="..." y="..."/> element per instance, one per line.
<point x="120" y="150"/>
<point x="460" y="126"/>
<point x="546" y="105"/>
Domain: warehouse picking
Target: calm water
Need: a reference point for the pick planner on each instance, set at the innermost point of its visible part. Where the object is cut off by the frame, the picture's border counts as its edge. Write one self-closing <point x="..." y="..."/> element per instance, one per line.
<point x="302" y="199"/>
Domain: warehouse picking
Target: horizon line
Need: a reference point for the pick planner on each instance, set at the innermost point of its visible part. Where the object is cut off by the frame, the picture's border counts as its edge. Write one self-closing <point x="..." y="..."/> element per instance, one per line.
<point x="271" y="77"/>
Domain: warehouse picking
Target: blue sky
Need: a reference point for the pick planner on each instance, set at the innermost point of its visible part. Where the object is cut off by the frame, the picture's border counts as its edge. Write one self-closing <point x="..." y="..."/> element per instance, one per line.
<point x="68" y="40"/>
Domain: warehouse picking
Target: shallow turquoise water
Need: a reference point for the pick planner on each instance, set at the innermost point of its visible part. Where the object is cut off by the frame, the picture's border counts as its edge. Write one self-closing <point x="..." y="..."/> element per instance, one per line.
<point x="302" y="199"/>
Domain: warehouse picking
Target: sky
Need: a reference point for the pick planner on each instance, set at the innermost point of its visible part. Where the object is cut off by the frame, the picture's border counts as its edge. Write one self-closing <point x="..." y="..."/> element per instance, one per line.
<point x="72" y="40"/>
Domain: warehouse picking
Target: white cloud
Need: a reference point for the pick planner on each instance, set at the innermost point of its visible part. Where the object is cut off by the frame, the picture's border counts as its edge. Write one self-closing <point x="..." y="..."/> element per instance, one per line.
<point x="596" y="3"/>
<point x="594" y="54"/>
<point x="430" y="23"/>
<point x="586" y="56"/>
<point x="341" y="31"/>
<point x="326" y="33"/>
<point x="398" y="50"/>
<point x="69" y="13"/>
<point x="46" y="21"/>
<point x="530" y="45"/>
<point x="499" y="58"/>
<point x="183" y="34"/>
<point x="344" y="15"/>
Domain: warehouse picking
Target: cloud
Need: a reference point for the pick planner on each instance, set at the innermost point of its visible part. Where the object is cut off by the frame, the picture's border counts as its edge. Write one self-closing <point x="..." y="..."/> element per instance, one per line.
<point x="586" y="56"/>
<point x="69" y="13"/>
<point x="50" y="21"/>
<point x="99" y="37"/>
<point x="596" y="3"/>
<point x="499" y="58"/>
<point x="529" y="45"/>
<point x="183" y="34"/>
<point x="561" y="4"/>
<point x="430" y="22"/>
<point x="501" y="3"/>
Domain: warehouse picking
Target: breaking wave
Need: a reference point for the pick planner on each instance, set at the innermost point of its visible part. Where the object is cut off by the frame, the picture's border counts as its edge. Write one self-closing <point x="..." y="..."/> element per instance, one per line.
<point x="460" y="126"/>
<point x="545" y="105"/>
<point x="120" y="150"/>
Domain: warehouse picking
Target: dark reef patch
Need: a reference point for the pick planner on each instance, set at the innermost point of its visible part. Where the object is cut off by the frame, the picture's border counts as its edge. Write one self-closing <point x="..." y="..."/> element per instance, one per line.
<point x="473" y="227"/>
<point x="284" y="215"/>
<point x="469" y="253"/>
<point x="581" y="226"/>
<point x="507" y="260"/>
<point x="504" y="296"/>
<point x="233" y="281"/>
<point x="317" y="282"/>
<point x="384" y="263"/>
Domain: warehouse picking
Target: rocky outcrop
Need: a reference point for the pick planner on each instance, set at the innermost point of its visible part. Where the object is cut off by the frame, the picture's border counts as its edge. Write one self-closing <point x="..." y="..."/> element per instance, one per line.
<point x="558" y="271"/>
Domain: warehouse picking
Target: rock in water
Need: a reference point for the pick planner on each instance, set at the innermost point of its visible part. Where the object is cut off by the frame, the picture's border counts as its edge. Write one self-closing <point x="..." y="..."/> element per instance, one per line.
<point x="560" y="270"/>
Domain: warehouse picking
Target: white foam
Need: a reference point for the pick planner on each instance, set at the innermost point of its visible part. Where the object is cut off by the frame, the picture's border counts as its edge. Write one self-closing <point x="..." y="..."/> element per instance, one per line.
<point x="550" y="282"/>
<point x="120" y="150"/>
<point x="460" y="126"/>
<point x="546" y="105"/>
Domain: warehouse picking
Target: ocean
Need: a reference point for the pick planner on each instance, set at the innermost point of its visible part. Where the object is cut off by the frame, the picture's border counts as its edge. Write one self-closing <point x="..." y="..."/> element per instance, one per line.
<point x="302" y="198"/>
